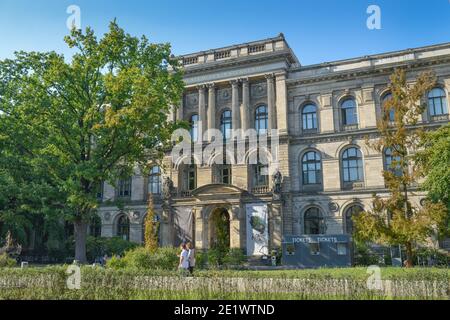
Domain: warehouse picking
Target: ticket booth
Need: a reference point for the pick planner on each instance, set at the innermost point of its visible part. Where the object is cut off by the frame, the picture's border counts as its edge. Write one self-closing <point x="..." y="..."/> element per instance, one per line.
<point x="315" y="251"/>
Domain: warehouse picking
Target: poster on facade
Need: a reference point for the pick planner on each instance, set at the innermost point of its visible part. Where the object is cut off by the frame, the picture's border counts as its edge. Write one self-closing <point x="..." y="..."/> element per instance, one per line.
<point x="183" y="224"/>
<point x="257" y="229"/>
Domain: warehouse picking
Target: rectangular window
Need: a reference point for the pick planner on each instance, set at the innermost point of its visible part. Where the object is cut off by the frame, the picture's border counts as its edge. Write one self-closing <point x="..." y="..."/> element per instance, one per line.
<point x="314" y="248"/>
<point x="124" y="188"/>
<point x="341" y="248"/>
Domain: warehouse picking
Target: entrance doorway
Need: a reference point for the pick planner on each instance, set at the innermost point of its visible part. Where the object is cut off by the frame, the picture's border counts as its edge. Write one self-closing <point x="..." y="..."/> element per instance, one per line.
<point x="219" y="229"/>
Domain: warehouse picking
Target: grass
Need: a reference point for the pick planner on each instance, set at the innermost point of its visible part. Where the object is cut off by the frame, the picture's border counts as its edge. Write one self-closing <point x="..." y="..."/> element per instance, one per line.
<point x="326" y="283"/>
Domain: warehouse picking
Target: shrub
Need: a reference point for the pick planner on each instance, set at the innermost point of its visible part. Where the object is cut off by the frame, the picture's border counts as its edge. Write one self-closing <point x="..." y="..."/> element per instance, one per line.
<point x="214" y="258"/>
<point x="425" y="256"/>
<point x="201" y="259"/>
<point x="98" y="247"/>
<point x="234" y="257"/>
<point x="6" y="261"/>
<point x="141" y="258"/>
<point x="116" y="263"/>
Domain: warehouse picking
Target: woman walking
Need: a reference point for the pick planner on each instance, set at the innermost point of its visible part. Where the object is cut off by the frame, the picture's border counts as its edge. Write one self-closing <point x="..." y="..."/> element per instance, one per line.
<point x="191" y="257"/>
<point x="184" y="259"/>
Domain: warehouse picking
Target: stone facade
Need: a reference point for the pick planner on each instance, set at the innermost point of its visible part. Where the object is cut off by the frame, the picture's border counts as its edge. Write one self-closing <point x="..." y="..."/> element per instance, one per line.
<point x="267" y="73"/>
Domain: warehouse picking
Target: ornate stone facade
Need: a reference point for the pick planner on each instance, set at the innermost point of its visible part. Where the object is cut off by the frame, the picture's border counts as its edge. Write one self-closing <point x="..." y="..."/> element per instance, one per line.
<point x="267" y="73"/>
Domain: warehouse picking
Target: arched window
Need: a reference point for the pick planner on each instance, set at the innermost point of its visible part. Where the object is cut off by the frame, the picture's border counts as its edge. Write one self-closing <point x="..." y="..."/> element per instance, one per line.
<point x="392" y="162"/>
<point x="154" y="180"/>
<point x="123" y="227"/>
<point x="314" y="222"/>
<point x="385" y="99"/>
<point x="352" y="166"/>
<point x="437" y="102"/>
<point x="348" y="108"/>
<point x="349" y="213"/>
<point x="261" y="118"/>
<point x="309" y="117"/>
<point x="226" y="124"/>
<point x="311" y="168"/>
<point x="194" y="127"/>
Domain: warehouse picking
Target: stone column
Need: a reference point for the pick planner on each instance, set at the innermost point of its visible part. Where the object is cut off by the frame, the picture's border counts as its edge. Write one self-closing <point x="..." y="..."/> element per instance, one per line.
<point x="201" y="111"/>
<point x="245" y="105"/>
<point x="180" y="109"/>
<point x="281" y="103"/>
<point x="235" y="104"/>
<point x="211" y="108"/>
<point x="270" y="102"/>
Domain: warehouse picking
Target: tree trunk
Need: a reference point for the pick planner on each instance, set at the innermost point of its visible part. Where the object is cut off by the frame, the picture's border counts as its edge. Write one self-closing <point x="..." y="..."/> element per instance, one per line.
<point x="409" y="255"/>
<point x="80" y="233"/>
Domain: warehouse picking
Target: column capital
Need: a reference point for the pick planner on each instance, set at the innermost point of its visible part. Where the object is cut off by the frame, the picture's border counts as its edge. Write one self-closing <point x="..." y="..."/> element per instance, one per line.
<point x="234" y="82"/>
<point x="211" y="85"/>
<point x="201" y="87"/>
<point x="269" y="76"/>
<point x="244" y="80"/>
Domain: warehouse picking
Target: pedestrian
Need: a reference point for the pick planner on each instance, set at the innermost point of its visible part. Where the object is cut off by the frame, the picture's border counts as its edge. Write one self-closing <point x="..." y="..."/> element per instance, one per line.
<point x="184" y="259"/>
<point x="191" y="257"/>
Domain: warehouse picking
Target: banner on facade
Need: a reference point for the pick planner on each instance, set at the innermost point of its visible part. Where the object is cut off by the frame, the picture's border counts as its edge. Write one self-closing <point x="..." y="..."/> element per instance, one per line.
<point x="257" y="229"/>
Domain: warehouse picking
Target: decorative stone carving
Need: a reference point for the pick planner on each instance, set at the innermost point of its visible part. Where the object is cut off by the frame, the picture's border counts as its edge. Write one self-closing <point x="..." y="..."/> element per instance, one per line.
<point x="277" y="179"/>
<point x="223" y="95"/>
<point x="136" y="215"/>
<point x="192" y="100"/>
<point x="167" y="188"/>
<point x="107" y="216"/>
<point x="258" y="90"/>
<point x="333" y="206"/>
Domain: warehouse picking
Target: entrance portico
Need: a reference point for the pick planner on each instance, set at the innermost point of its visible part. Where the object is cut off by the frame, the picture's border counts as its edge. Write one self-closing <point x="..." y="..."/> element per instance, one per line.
<point x="218" y="199"/>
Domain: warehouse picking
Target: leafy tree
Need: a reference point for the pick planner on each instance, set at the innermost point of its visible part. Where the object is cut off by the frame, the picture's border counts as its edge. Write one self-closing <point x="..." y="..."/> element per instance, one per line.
<point x="395" y="220"/>
<point x="434" y="160"/>
<point x="151" y="227"/>
<point x="91" y="119"/>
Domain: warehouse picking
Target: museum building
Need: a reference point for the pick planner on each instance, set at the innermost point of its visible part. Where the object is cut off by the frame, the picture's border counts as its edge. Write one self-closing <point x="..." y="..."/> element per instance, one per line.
<point x="324" y="171"/>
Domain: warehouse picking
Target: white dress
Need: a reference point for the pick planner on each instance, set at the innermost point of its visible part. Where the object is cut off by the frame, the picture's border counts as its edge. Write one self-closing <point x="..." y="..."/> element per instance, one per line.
<point x="185" y="260"/>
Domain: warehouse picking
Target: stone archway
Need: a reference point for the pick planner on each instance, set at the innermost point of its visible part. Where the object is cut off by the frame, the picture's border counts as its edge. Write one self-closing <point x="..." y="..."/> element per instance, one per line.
<point x="219" y="228"/>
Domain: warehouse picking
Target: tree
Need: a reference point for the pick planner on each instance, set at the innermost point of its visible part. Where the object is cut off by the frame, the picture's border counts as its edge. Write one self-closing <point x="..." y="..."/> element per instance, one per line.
<point x="434" y="160"/>
<point x="395" y="220"/>
<point x="92" y="119"/>
<point x="151" y="227"/>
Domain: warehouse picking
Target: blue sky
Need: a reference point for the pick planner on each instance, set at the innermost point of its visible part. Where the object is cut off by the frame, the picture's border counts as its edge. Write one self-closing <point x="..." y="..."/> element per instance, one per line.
<point x="317" y="30"/>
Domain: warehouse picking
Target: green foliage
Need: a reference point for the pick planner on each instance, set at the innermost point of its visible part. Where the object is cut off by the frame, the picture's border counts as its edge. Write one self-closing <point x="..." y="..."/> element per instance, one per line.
<point x="235" y="257"/>
<point x="436" y="257"/>
<point x="78" y="122"/>
<point x="395" y="220"/>
<point x="141" y="258"/>
<point x="151" y="227"/>
<point x="434" y="159"/>
<point x="6" y="261"/>
<point x="98" y="247"/>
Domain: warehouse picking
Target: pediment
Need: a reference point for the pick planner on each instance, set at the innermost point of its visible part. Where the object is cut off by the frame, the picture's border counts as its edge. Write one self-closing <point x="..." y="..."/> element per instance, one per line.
<point x="216" y="190"/>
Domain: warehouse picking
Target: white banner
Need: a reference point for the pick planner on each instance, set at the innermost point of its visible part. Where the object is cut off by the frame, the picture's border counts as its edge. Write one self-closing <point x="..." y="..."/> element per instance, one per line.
<point x="257" y="230"/>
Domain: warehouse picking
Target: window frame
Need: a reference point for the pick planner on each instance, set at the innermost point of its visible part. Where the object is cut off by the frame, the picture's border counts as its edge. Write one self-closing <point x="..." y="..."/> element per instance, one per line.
<point x="309" y="116"/>
<point x="154" y="179"/>
<point x="318" y="221"/>
<point x="124" y="186"/>
<point x="317" y="163"/>
<point x="442" y="100"/>
<point x="226" y="124"/>
<point x="261" y="117"/>
<point x="347" y="159"/>
<point x="344" y="109"/>
<point x="193" y="129"/>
